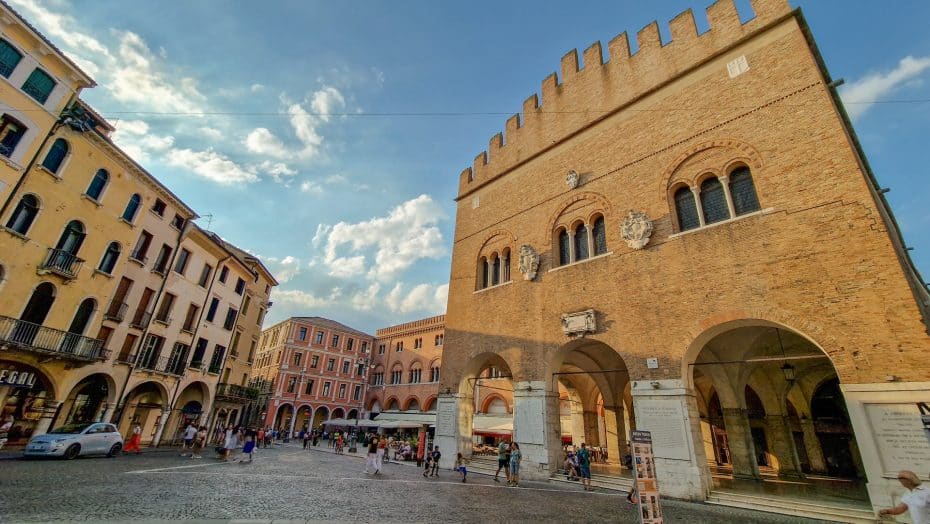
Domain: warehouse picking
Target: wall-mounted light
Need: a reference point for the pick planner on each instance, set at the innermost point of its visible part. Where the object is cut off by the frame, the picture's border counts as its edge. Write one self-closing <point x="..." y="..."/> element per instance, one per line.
<point x="655" y="384"/>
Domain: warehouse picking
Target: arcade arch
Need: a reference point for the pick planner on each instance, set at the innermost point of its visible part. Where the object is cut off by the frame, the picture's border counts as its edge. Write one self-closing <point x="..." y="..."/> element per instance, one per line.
<point x="146" y="405"/>
<point x="90" y="400"/>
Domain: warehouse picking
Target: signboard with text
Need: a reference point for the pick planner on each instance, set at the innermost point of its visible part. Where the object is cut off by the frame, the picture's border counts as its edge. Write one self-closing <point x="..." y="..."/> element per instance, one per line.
<point x="924" y="408"/>
<point x="647" y="487"/>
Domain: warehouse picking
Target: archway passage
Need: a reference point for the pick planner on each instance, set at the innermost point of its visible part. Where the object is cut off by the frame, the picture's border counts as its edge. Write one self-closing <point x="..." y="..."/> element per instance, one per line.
<point x="89" y="401"/>
<point x="492" y="389"/>
<point x="353" y="414"/>
<point x="188" y="409"/>
<point x="321" y="415"/>
<point x="595" y="403"/>
<point x="144" y="405"/>
<point x="303" y="418"/>
<point x="24" y="394"/>
<point x="284" y="417"/>
<point x="338" y="413"/>
<point x="771" y="409"/>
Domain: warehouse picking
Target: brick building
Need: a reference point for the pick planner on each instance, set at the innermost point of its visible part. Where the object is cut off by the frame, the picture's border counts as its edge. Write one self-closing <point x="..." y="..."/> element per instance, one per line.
<point x="690" y="241"/>
<point x="317" y="368"/>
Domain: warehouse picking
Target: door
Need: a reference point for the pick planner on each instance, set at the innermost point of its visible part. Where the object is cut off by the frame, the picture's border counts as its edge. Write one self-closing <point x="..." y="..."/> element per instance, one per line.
<point x="94" y="439"/>
<point x="761" y="446"/>
<point x="71" y="343"/>
<point x="34" y="314"/>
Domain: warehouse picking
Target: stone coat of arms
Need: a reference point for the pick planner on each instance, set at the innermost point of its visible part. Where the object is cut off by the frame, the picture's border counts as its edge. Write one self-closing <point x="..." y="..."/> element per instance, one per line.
<point x="636" y="229"/>
<point x="572" y="179"/>
<point x="529" y="262"/>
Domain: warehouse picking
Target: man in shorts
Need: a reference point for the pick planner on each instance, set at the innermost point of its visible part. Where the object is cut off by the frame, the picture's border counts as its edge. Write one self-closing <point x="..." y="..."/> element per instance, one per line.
<point x="503" y="460"/>
<point x="189" y="435"/>
<point x="584" y="467"/>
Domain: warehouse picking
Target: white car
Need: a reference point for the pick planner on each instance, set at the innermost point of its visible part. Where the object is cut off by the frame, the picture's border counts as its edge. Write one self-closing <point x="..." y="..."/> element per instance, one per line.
<point x="73" y="440"/>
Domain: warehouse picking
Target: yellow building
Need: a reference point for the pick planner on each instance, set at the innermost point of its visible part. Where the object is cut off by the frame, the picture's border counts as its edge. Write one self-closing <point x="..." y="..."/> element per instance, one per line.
<point x="113" y="305"/>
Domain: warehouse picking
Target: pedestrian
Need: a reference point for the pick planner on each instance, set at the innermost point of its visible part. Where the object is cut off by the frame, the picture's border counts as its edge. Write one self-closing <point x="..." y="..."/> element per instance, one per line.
<point x="189" y="435"/>
<point x="584" y="467"/>
<point x="916" y="501"/>
<point x="371" y="461"/>
<point x="435" y="455"/>
<point x="5" y="431"/>
<point x="428" y="464"/>
<point x="200" y="439"/>
<point x="460" y="466"/>
<point x="260" y="437"/>
<point x="306" y="438"/>
<point x="316" y="438"/>
<point x="268" y="437"/>
<point x="230" y="442"/>
<point x="382" y="451"/>
<point x="135" y="440"/>
<point x="515" y="458"/>
<point x="248" y="448"/>
<point x="503" y="460"/>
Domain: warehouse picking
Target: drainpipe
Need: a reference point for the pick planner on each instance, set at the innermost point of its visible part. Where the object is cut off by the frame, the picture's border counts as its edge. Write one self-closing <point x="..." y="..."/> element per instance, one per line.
<point x="65" y="115"/>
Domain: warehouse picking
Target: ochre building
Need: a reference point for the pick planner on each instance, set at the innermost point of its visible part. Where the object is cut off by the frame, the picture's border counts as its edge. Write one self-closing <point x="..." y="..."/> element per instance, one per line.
<point x="688" y="240"/>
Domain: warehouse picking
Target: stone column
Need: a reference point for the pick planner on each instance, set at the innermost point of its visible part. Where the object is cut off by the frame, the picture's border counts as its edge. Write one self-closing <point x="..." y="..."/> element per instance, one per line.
<point x="669" y="411"/>
<point x="590" y="428"/>
<point x="45" y="420"/>
<point x="812" y="445"/>
<point x="725" y="182"/>
<point x="782" y="443"/>
<point x="162" y="422"/>
<point x="739" y="438"/>
<point x="616" y="441"/>
<point x="454" y="415"/>
<point x="578" y="422"/>
<point x="290" y="429"/>
<point x="697" y="205"/>
<point x="537" y="428"/>
<point x="106" y="411"/>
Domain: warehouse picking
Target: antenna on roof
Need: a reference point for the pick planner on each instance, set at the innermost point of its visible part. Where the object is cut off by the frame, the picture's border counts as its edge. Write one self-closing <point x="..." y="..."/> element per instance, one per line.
<point x="209" y="217"/>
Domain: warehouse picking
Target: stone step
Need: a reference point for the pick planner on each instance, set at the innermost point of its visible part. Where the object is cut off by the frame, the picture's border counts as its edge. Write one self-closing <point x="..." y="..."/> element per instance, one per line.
<point x="830" y="511"/>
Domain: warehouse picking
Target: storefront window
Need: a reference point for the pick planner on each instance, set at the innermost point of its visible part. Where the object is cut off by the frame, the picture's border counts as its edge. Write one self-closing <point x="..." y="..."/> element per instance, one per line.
<point x="22" y="401"/>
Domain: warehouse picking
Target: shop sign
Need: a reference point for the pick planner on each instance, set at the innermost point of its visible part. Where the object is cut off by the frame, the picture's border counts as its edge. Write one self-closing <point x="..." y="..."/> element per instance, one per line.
<point x="17" y="379"/>
<point x="647" y="488"/>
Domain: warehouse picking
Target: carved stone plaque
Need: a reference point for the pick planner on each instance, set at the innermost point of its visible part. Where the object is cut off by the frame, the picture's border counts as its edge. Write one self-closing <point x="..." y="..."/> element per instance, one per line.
<point x="529" y="261"/>
<point x="445" y="418"/>
<point x="572" y="179"/>
<point x="636" y="229"/>
<point x="899" y="436"/>
<point x="665" y="419"/>
<point x="579" y="324"/>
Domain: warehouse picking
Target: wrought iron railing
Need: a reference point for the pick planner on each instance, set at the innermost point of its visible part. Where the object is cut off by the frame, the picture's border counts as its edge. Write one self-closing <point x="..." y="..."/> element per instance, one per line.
<point x="34" y="337"/>
<point x="141" y="320"/>
<point x="116" y="312"/>
<point x="235" y="391"/>
<point x="153" y="362"/>
<point x="61" y="263"/>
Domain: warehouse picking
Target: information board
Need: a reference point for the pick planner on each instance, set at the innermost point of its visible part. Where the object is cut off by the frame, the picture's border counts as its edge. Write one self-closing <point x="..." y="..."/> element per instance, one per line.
<point x="647" y="487"/>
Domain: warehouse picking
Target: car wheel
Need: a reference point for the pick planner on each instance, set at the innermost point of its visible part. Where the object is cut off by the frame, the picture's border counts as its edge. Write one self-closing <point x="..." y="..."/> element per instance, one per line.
<point x="73" y="451"/>
<point x="115" y="450"/>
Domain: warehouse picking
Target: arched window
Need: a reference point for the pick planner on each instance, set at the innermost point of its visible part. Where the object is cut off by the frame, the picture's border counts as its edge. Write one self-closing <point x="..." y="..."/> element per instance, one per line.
<point x="24" y="214"/>
<point x="98" y="183"/>
<point x="714" y="201"/>
<point x="56" y="155"/>
<point x="483" y="273"/>
<point x="132" y="207"/>
<point x="72" y="237"/>
<point x="685" y="209"/>
<point x="600" y="236"/>
<point x="505" y="266"/>
<point x="581" y="242"/>
<point x="565" y="248"/>
<point x="9" y="58"/>
<point x="108" y="262"/>
<point x="743" y="191"/>
<point x="496" y="271"/>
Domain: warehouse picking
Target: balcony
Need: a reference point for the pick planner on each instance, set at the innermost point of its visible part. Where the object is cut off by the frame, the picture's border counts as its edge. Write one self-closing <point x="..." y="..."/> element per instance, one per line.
<point x="61" y="263"/>
<point x="164" y="320"/>
<point x="157" y="364"/>
<point x="141" y="320"/>
<point x="116" y="312"/>
<point x="214" y="368"/>
<point x="27" y="336"/>
<point x="234" y="392"/>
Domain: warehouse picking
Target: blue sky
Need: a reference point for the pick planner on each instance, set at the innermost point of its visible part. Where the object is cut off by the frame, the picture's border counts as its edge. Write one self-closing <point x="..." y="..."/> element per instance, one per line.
<point x="290" y="122"/>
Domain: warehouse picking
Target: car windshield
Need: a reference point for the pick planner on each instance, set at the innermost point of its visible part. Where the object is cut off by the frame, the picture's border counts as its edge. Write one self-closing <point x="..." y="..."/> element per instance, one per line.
<point x="70" y="429"/>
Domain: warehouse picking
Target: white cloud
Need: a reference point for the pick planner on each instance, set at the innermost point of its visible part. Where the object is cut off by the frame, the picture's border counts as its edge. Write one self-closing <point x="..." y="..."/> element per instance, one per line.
<point x="284" y="269"/>
<point x="409" y="233"/>
<point x="422" y="297"/>
<point x="263" y="142"/>
<point x="366" y="299"/>
<point x="312" y="188"/>
<point x="327" y="101"/>
<point x="296" y="297"/>
<point x="347" y="267"/>
<point x="279" y="171"/>
<point x="860" y="95"/>
<point x="211" y="165"/>
<point x="211" y="132"/>
<point x="255" y="88"/>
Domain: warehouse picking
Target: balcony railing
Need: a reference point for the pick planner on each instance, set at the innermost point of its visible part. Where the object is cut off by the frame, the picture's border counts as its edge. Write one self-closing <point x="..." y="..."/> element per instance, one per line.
<point x="116" y="312"/>
<point x="157" y="364"/>
<point x="214" y="368"/>
<point x="235" y="392"/>
<point x="33" y="337"/>
<point x="61" y="263"/>
<point x="140" y="320"/>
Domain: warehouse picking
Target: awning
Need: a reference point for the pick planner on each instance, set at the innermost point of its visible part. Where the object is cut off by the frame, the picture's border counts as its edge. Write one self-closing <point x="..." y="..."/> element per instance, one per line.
<point x="348" y="422"/>
<point x="404" y="419"/>
<point x="492" y="425"/>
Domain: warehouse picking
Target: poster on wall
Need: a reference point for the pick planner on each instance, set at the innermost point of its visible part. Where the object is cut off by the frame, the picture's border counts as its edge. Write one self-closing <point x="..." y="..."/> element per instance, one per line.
<point x="647" y="487"/>
<point x="924" y="408"/>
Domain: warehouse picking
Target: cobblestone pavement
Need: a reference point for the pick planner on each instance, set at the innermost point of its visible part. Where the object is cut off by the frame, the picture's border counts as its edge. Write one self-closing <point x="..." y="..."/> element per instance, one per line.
<point x="288" y="483"/>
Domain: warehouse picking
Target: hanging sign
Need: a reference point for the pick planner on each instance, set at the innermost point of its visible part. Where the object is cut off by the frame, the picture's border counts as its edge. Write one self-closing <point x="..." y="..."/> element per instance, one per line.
<point x="647" y="487"/>
<point x="17" y="379"/>
<point x="924" y="408"/>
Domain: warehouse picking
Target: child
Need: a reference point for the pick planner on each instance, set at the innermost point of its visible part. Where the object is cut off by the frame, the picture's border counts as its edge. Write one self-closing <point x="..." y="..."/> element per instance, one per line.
<point x="428" y="463"/>
<point x="248" y="448"/>
<point x="460" y="466"/>
<point x="436" y="455"/>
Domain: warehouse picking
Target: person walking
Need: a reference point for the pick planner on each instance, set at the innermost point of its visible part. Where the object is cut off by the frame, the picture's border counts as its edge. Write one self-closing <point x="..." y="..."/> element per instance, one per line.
<point x="382" y="450"/>
<point x="189" y="435"/>
<point x="428" y="463"/>
<point x="503" y="460"/>
<point x="5" y="431"/>
<point x="584" y="467"/>
<point x="248" y="448"/>
<point x="260" y="437"/>
<point x="135" y="440"/>
<point x="230" y="442"/>
<point x="200" y="439"/>
<point x="916" y="501"/>
<point x="515" y="458"/>
<point x="460" y="463"/>
<point x="371" y="461"/>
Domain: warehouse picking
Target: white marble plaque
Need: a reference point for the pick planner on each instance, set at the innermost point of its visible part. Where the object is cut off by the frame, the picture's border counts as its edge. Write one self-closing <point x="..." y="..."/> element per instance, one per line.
<point x="528" y="420"/>
<point x="445" y="419"/>
<point x="899" y="437"/>
<point x="665" y="419"/>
